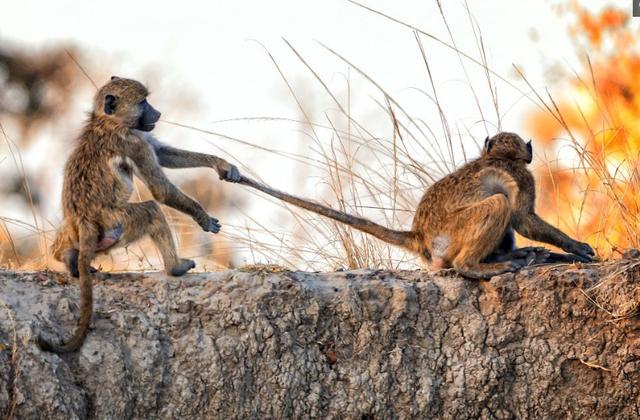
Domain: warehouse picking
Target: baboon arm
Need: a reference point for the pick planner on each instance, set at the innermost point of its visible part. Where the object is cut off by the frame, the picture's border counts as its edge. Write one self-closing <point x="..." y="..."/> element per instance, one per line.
<point x="148" y="169"/>
<point x="171" y="157"/>
<point x="533" y="227"/>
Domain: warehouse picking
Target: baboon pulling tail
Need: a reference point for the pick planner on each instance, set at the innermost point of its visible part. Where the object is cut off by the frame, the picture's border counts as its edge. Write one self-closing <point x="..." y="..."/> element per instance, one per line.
<point x="115" y="145"/>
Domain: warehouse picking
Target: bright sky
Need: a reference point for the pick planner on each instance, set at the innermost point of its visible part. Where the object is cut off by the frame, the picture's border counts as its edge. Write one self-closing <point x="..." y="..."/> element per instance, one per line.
<point x="214" y="47"/>
<point x="216" y="51"/>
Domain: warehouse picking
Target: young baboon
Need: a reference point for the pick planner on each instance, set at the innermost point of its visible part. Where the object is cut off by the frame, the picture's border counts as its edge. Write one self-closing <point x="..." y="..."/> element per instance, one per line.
<point x="98" y="182"/>
<point x="466" y="219"/>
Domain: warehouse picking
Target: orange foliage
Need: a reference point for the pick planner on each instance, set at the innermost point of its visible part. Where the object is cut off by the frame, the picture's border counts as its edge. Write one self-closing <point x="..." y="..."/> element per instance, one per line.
<point x="594" y="192"/>
<point x="596" y="27"/>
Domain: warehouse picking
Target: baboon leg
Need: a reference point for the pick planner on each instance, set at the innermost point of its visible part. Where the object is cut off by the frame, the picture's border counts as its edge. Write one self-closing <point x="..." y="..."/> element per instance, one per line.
<point x="533" y="255"/>
<point x="62" y="242"/>
<point x="508" y="242"/>
<point x="484" y="271"/>
<point x="65" y="250"/>
<point x="70" y="260"/>
<point x="527" y="256"/>
<point x="557" y="258"/>
<point x="481" y="227"/>
<point x="506" y="245"/>
<point x="139" y="219"/>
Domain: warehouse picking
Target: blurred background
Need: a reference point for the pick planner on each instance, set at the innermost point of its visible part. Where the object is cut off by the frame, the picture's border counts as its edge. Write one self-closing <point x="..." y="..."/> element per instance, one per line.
<point x="357" y="105"/>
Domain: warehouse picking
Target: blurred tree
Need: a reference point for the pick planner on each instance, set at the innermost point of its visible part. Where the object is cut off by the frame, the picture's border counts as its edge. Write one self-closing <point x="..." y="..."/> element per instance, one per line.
<point x="35" y="86"/>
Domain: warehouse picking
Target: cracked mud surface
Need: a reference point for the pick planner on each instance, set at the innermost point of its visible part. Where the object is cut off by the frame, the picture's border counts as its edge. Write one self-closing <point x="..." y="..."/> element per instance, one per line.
<point x="549" y="342"/>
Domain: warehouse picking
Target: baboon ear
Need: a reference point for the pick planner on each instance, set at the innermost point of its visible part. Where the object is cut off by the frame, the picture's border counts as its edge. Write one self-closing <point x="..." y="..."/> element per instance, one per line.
<point x="109" y="104"/>
<point x="529" y="152"/>
<point x="488" y="144"/>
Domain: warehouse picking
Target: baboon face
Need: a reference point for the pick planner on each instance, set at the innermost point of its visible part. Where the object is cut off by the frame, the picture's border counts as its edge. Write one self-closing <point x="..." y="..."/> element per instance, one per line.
<point x="148" y="118"/>
<point x="508" y="146"/>
<point x="125" y="100"/>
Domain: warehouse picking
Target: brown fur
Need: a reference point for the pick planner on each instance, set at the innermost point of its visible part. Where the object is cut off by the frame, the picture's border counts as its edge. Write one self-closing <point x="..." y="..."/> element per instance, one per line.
<point x="462" y="218"/>
<point x="98" y="185"/>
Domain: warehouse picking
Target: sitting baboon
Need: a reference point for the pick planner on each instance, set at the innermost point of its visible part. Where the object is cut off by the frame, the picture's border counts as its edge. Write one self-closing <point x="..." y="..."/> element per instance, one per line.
<point x="466" y="220"/>
<point x="98" y="182"/>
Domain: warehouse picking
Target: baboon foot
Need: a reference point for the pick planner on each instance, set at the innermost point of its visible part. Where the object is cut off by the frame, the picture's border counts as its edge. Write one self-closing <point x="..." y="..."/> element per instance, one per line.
<point x="70" y="260"/>
<point x="183" y="266"/>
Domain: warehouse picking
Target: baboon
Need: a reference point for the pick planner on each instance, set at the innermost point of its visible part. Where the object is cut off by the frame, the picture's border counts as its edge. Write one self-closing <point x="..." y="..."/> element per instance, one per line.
<point x="98" y="182"/>
<point x="466" y="219"/>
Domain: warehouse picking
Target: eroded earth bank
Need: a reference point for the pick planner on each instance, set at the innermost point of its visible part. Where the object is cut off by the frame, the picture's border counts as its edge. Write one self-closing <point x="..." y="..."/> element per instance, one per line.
<point x="550" y="342"/>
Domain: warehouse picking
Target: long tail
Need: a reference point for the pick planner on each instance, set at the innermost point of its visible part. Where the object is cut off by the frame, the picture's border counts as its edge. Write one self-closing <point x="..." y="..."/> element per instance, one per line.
<point x="87" y="250"/>
<point x="405" y="239"/>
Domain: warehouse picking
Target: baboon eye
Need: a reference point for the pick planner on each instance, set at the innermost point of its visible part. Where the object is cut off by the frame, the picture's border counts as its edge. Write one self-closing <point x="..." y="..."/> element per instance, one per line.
<point x="109" y="104"/>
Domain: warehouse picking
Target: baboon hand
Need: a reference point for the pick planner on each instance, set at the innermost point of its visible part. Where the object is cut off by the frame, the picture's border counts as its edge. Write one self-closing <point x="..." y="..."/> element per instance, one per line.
<point x="230" y="174"/>
<point x="211" y="224"/>
<point x="581" y="249"/>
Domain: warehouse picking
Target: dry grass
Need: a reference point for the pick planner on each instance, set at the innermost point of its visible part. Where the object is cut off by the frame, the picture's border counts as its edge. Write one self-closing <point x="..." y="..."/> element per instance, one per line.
<point x="359" y="171"/>
<point x="36" y="227"/>
<point x="596" y="195"/>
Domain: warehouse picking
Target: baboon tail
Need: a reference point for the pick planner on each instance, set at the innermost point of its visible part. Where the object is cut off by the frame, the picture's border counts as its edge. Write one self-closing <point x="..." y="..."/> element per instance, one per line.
<point x="405" y="239"/>
<point x="88" y="240"/>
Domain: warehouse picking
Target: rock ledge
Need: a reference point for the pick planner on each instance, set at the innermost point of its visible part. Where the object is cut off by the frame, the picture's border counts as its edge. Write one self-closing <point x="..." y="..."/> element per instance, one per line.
<point x="554" y="341"/>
